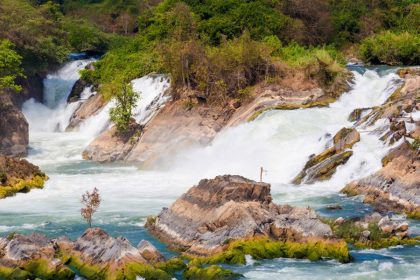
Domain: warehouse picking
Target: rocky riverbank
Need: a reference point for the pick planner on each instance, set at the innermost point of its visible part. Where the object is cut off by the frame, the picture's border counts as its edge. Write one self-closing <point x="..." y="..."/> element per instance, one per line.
<point x="396" y="187"/>
<point x="14" y="129"/>
<point x="189" y="120"/>
<point x="19" y="176"/>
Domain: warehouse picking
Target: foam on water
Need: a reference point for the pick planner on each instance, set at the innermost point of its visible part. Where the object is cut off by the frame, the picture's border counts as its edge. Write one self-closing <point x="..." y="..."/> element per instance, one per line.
<point x="280" y="141"/>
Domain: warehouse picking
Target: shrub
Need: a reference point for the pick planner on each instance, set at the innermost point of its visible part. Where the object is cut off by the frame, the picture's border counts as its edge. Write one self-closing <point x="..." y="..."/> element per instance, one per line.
<point x="126" y="99"/>
<point x="10" y="66"/>
<point x="392" y="48"/>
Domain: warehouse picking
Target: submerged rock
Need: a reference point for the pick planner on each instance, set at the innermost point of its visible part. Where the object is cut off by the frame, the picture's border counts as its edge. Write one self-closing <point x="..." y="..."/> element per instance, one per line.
<point x="212" y="216"/>
<point x="322" y="166"/>
<point x="18" y="175"/>
<point x="14" y="130"/>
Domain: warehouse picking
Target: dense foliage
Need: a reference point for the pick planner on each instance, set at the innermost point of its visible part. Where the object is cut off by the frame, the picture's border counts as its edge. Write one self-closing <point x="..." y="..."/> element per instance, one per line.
<point x="10" y="66"/>
<point x="219" y="47"/>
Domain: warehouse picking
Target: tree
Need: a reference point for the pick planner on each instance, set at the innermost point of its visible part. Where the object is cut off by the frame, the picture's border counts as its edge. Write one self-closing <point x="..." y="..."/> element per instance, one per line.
<point x="10" y="66"/>
<point x="126" y="99"/>
<point x="91" y="201"/>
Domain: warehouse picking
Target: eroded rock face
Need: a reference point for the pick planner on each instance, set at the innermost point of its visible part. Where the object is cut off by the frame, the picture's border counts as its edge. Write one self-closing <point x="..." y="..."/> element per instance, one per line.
<point x="18" y="175"/>
<point x="14" y="129"/>
<point x="323" y="166"/>
<point x="228" y="208"/>
<point x="95" y="255"/>
<point x="396" y="186"/>
<point x="29" y="257"/>
<point x="87" y="109"/>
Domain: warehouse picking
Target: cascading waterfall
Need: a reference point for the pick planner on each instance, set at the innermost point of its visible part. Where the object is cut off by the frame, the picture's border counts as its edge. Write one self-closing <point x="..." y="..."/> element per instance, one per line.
<point x="279" y="141"/>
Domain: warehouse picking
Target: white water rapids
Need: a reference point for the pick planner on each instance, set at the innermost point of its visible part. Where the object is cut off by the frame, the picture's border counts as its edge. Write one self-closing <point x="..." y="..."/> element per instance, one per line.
<point x="279" y="141"/>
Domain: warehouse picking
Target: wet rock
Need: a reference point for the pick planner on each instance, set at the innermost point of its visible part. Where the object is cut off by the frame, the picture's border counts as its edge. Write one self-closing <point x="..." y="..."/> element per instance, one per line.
<point x="396" y="187"/>
<point x="87" y="109"/>
<point x="356" y="115"/>
<point x="112" y="146"/>
<point x="218" y="211"/>
<point x="18" y="175"/>
<point x="14" y="130"/>
<point x="334" y="207"/>
<point x="97" y="255"/>
<point x="374" y="231"/>
<point x="322" y="166"/>
<point x="29" y="257"/>
<point x="149" y="252"/>
<point x="94" y="255"/>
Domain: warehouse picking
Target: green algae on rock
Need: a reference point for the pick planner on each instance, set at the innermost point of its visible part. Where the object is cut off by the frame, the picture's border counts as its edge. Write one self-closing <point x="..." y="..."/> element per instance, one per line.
<point x="259" y="248"/>
<point x="213" y="272"/>
<point x="373" y="231"/>
<point x="18" y="175"/>
<point x="322" y="166"/>
<point x="29" y="257"/>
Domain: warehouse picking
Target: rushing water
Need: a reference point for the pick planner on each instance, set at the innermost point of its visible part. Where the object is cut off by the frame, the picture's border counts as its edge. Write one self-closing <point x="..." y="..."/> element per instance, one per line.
<point x="279" y="141"/>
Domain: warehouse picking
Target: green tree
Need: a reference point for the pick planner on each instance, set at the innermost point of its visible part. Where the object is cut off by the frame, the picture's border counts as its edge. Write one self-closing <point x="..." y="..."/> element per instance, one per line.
<point x="10" y="66"/>
<point x="126" y="99"/>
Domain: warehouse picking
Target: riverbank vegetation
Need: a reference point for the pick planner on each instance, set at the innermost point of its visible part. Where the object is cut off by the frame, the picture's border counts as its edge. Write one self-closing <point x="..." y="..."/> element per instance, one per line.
<point x="219" y="48"/>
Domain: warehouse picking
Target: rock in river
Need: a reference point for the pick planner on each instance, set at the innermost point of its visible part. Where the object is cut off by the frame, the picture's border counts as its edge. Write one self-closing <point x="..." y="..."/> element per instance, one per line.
<point x="216" y="213"/>
<point x="323" y="166"/>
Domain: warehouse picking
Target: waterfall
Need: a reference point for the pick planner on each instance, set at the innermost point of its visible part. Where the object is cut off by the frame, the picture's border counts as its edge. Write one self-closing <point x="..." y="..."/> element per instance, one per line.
<point x="282" y="141"/>
<point x="48" y="120"/>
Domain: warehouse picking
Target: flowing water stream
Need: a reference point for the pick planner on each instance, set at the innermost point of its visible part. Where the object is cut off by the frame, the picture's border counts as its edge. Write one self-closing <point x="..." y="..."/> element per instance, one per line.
<point x="279" y="141"/>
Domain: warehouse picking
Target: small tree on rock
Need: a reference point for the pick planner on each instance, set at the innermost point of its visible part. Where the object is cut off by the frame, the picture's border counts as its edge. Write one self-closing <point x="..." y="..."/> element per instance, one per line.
<point x="91" y="201"/>
<point x="126" y="99"/>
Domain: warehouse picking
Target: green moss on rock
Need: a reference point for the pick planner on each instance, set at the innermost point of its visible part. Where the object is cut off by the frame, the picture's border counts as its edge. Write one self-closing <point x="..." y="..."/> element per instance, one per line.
<point x="265" y="248"/>
<point x="213" y="272"/>
<point x="37" y="182"/>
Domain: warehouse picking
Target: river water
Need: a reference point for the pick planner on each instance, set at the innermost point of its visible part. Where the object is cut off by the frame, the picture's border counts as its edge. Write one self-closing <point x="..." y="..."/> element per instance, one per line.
<point x="279" y="141"/>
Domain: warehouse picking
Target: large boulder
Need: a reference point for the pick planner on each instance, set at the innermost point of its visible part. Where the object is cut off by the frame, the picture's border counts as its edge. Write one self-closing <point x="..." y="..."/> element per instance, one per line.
<point x="322" y="166"/>
<point x="227" y="208"/>
<point x="18" y="175"/>
<point x="14" y="129"/>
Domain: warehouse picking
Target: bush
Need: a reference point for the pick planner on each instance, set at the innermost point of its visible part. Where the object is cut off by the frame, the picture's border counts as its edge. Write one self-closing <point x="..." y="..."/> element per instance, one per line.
<point x="10" y="66"/>
<point x="392" y="48"/>
<point x="126" y="99"/>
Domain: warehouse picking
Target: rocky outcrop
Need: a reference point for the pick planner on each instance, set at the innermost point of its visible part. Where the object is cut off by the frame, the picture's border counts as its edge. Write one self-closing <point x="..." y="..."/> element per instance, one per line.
<point x="111" y="145"/>
<point x="190" y="120"/>
<point x="396" y="186"/>
<point x="31" y="257"/>
<point x="87" y="109"/>
<point x="94" y="255"/>
<point x="322" y="166"/>
<point x="14" y="130"/>
<point x="374" y="231"/>
<point x="97" y="255"/>
<point x="18" y="175"/>
<point x="216" y="214"/>
<point x="79" y="87"/>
